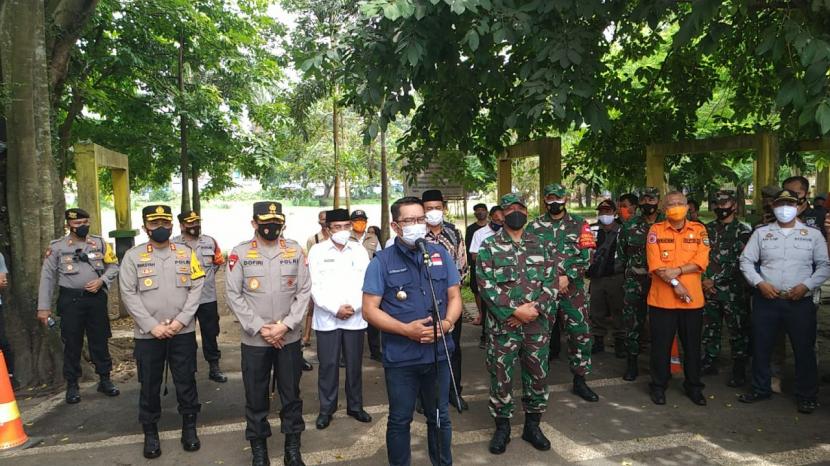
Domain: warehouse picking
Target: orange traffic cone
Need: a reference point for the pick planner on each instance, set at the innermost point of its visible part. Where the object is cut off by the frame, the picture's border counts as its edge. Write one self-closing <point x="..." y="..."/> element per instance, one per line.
<point x="11" y="426"/>
<point x="676" y="367"/>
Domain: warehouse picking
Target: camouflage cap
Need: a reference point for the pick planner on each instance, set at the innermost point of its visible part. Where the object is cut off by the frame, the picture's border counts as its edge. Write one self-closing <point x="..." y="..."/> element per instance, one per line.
<point x="650" y="191"/>
<point x="770" y="190"/>
<point x="512" y="198"/>
<point x="556" y="189"/>
<point x="725" y="195"/>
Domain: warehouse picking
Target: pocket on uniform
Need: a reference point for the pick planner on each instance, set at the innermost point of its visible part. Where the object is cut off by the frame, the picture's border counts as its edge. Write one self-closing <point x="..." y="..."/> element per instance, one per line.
<point x="183" y="280"/>
<point x="505" y="274"/>
<point x="147" y="280"/>
<point x="67" y="265"/>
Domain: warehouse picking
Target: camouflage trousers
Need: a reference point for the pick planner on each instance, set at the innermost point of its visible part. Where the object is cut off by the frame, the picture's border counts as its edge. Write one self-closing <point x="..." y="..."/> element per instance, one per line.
<point x="532" y="352"/>
<point x="729" y="305"/>
<point x="574" y="312"/>
<point x="635" y="310"/>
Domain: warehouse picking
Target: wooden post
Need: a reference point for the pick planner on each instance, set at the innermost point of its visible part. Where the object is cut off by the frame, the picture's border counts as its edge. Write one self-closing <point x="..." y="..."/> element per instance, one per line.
<point x="822" y="181"/>
<point x="86" y="174"/>
<point x="121" y="198"/>
<point x="656" y="168"/>
<point x="505" y="178"/>
<point x="766" y="166"/>
<point x="550" y="166"/>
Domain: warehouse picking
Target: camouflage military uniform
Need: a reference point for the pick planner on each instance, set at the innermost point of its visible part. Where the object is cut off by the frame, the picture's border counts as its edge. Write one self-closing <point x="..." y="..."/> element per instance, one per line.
<point x="510" y="274"/>
<point x="561" y="237"/>
<point x="727" y="241"/>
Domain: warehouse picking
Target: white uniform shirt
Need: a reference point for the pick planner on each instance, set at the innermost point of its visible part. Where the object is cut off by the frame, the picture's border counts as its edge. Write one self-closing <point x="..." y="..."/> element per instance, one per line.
<point x="337" y="279"/>
<point x="478" y="237"/>
<point x="390" y="242"/>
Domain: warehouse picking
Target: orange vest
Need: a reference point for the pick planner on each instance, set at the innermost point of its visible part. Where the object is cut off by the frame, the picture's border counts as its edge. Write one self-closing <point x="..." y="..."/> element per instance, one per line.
<point x="669" y="248"/>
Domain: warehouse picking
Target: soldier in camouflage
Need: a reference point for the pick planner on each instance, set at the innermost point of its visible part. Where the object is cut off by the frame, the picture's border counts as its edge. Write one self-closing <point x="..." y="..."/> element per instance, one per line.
<point x="516" y="276"/>
<point x="631" y="255"/>
<point x="725" y="290"/>
<point x="569" y="240"/>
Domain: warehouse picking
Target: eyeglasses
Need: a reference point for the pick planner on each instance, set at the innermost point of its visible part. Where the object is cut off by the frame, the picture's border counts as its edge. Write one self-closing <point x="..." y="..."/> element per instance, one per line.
<point x="405" y="222"/>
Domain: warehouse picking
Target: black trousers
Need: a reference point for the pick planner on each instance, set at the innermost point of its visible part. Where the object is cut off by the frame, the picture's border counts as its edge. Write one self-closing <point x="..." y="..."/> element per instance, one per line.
<point x="688" y="325"/>
<point x="329" y="345"/>
<point x="5" y="346"/>
<point x="82" y="313"/>
<point x="455" y="358"/>
<point x="798" y="319"/>
<point x="151" y="356"/>
<point x="208" y="316"/>
<point x="287" y="366"/>
<point x="373" y="337"/>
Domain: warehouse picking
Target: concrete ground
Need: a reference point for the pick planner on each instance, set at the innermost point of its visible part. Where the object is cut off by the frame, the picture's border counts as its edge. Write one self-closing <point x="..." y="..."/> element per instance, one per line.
<point x="624" y="427"/>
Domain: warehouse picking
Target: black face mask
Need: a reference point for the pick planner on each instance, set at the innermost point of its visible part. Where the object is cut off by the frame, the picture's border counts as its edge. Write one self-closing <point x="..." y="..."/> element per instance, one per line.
<point x="481" y="215"/>
<point x="556" y="208"/>
<point x="723" y="213"/>
<point x="160" y="234"/>
<point x="194" y="231"/>
<point x="515" y="220"/>
<point x="648" y="209"/>
<point x="495" y="226"/>
<point x="80" y="231"/>
<point x="269" y="231"/>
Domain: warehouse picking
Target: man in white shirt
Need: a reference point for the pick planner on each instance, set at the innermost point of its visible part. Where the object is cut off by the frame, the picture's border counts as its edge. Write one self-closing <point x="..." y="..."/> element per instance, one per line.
<point x="337" y="266"/>
<point x="496" y="221"/>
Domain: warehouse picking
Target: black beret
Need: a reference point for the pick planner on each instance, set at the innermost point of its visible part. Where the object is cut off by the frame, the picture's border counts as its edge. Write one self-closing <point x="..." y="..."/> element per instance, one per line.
<point x="75" y="214"/>
<point x="268" y="210"/>
<point x="157" y="211"/>
<point x="432" y="195"/>
<point x="337" y="215"/>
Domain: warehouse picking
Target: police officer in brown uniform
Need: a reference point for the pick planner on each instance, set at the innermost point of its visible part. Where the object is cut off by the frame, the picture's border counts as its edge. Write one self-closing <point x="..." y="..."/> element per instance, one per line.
<point x="161" y="286"/>
<point x="82" y="266"/>
<point x="269" y="288"/>
<point x="208" y="252"/>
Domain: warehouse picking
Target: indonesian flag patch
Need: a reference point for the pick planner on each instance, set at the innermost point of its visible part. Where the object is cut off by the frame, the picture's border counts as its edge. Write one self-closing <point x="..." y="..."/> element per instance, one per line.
<point x="232" y="260"/>
<point x="436" y="259"/>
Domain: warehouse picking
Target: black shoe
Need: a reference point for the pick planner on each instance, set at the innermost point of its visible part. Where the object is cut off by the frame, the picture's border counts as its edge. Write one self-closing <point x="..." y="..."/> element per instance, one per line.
<point x="323" y="421"/>
<point x="658" y="396"/>
<point x="738" y="374"/>
<point x="73" y="393"/>
<point x="215" y="373"/>
<point x="631" y="369"/>
<point x="190" y="441"/>
<point x="599" y="345"/>
<point x="708" y="366"/>
<point x="501" y="437"/>
<point x="152" y="445"/>
<point x="582" y="390"/>
<point x="307" y="367"/>
<point x="533" y="434"/>
<point x="292" y="451"/>
<point x="697" y="397"/>
<point x="752" y="397"/>
<point x="106" y="386"/>
<point x="259" y="453"/>
<point x="419" y="408"/>
<point x="619" y="348"/>
<point x="360" y="416"/>
<point x="376" y="357"/>
<point x="464" y="406"/>
<point x="807" y="406"/>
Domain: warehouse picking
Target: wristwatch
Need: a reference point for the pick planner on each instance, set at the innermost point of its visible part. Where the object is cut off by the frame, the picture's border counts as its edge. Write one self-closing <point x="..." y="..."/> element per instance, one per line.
<point x="674" y="282"/>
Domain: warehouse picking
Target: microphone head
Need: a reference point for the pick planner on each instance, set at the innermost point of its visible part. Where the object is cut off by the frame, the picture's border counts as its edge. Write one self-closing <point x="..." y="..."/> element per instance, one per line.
<point x="421" y="244"/>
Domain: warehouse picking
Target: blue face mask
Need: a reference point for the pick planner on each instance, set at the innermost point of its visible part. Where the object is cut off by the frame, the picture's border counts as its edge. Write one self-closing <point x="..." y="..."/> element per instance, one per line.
<point x="495" y="226"/>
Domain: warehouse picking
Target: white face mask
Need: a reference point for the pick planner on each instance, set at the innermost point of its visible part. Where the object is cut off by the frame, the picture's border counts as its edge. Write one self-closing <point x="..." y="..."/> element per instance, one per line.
<point x="785" y="213"/>
<point x="435" y="217"/>
<point x="412" y="233"/>
<point x="341" y="237"/>
<point x="606" y="219"/>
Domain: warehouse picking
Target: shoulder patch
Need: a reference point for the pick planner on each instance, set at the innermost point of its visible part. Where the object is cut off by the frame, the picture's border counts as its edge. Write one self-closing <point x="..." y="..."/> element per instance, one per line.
<point x="652" y="238"/>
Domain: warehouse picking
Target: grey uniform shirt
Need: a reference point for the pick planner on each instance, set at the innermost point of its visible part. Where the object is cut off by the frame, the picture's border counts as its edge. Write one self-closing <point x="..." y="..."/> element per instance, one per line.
<point x="210" y="256"/>
<point x="266" y="285"/>
<point x="161" y="284"/>
<point x="62" y="266"/>
<point x="786" y="260"/>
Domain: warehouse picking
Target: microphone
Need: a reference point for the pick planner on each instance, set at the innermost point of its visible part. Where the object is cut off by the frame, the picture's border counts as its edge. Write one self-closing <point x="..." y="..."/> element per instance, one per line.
<point x="421" y="244"/>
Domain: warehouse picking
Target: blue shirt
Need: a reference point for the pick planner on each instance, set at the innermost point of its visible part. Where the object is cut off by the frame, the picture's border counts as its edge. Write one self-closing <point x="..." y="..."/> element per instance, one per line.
<point x="399" y="272"/>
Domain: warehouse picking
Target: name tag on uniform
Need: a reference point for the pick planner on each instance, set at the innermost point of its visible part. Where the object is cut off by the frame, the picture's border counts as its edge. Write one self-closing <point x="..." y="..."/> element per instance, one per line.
<point x="398" y="270"/>
<point x="328" y="260"/>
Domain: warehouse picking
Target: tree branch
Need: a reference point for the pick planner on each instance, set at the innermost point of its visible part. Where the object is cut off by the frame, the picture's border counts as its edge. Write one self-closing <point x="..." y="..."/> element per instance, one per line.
<point x="67" y="19"/>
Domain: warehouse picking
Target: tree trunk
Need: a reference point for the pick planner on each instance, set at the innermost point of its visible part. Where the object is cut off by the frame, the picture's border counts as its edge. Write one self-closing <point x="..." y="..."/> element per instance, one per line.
<point x="347" y="193"/>
<point x="197" y="200"/>
<point x="67" y="19"/>
<point x="184" y="163"/>
<point x="740" y="198"/>
<point x="384" y="189"/>
<point x="335" y="120"/>
<point x="579" y="196"/>
<point x="29" y="168"/>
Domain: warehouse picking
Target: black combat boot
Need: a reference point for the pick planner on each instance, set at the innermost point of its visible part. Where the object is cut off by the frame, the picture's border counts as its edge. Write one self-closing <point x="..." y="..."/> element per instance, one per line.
<point x="259" y="452"/>
<point x="738" y="373"/>
<point x="501" y="437"/>
<point x="215" y="373"/>
<point x="533" y="434"/>
<point x="190" y="441"/>
<point x="619" y="348"/>
<point x="292" y="451"/>
<point x="73" y="392"/>
<point x="582" y="390"/>
<point x="152" y="445"/>
<point x="106" y="386"/>
<point x="599" y="345"/>
<point x="631" y="369"/>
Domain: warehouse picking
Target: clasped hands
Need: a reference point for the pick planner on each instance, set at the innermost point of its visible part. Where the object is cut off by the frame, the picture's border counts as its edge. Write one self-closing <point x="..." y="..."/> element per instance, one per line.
<point x="274" y="334"/>
<point x="523" y="314"/>
<point x="771" y="292"/>
<point x="667" y="274"/>
<point x="422" y="331"/>
<point x="167" y="329"/>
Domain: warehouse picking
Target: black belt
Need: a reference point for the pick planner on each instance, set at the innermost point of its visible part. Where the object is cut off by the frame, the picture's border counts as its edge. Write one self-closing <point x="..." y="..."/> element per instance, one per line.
<point x="80" y="292"/>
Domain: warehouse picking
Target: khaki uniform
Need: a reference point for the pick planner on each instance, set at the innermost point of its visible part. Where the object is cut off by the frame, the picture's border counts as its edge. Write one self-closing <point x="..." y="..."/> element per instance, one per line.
<point x="370" y="242"/>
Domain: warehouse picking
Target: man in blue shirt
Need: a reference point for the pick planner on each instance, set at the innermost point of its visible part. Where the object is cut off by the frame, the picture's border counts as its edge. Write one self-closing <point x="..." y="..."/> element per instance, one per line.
<point x="397" y="300"/>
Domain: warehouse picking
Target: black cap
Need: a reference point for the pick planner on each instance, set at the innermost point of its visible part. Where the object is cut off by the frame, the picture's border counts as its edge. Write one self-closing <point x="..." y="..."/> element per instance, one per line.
<point x="156" y="212"/>
<point x="607" y="203"/>
<point x="268" y="210"/>
<point x="785" y="195"/>
<point x="432" y="195"/>
<point x="480" y="205"/>
<point x="358" y="214"/>
<point x="75" y="214"/>
<point x="337" y="215"/>
<point x="188" y="217"/>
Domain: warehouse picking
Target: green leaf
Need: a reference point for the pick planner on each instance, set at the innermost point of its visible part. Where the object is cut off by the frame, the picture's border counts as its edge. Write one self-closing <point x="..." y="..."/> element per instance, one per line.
<point x="472" y="39"/>
<point x="391" y="12"/>
<point x="823" y="116"/>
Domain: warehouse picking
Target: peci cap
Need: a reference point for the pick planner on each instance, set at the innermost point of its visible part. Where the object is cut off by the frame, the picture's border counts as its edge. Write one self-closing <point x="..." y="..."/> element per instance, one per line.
<point x="556" y="189"/>
<point x="358" y="214"/>
<point x="337" y="215"/>
<point x="785" y="195"/>
<point x="607" y="203"/>
<point x="75" y="214"/>
<point x="189" y="217"/>
<point x="432" y="195"/>
<point x="157" y="212"/>
<point x="268" y="210"/>
<point x="512" y="198"/>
